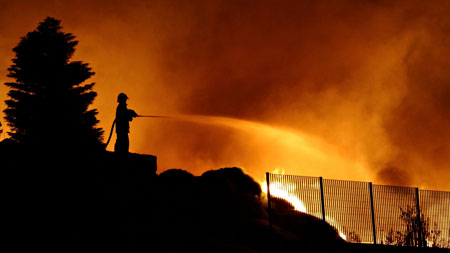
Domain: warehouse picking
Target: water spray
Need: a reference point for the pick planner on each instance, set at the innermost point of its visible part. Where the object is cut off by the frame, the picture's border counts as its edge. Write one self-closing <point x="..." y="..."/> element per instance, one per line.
<point x="154" y="116"/>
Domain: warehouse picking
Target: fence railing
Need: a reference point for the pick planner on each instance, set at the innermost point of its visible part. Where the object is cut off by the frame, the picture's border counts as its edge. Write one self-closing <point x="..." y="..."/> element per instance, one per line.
<point x="363" y="212"/>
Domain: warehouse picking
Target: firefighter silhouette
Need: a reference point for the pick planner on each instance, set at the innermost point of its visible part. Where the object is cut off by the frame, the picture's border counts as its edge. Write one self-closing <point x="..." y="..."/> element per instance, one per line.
<point x="123" y="118"/>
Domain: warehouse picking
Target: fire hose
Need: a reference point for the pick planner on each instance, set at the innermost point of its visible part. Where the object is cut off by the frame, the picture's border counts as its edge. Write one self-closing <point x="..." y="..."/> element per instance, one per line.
<point x="140" y="116"/>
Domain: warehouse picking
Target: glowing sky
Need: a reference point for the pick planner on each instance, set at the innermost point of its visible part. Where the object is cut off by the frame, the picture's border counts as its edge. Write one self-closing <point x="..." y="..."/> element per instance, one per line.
<point x="364" y="84"/>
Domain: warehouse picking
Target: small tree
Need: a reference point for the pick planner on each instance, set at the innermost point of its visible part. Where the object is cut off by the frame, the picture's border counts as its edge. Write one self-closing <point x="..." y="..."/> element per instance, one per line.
<point x="416" y="232"/>
<point x="417" y="228"/>
<point x="48" y="102"/>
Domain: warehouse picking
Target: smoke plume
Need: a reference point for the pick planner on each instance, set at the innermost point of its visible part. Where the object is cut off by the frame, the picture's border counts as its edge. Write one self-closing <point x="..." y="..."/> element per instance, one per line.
<point x="365" y="81"/>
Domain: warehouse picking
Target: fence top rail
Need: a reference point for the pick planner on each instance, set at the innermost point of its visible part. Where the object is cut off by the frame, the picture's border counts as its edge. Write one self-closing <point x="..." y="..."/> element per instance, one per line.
<point x="288" y="175"/>
<point x="381" y="185"/>
<point x="438" y="191"/>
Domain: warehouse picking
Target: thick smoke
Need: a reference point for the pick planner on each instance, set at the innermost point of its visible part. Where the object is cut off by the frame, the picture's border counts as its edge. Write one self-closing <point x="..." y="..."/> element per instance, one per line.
<point x="370" y="78"/>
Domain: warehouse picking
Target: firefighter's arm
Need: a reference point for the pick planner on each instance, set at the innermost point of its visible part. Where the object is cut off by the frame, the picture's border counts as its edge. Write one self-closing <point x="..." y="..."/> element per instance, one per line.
<point x="132" y="114"/>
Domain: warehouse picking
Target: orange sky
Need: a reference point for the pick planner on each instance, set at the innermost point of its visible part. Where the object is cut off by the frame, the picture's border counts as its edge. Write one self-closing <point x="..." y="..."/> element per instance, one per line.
<point x="356" y="90"/>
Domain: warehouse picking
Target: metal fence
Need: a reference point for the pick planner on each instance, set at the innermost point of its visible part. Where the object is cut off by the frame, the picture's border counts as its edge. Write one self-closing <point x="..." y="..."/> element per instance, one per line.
<point x="363" y="212"/>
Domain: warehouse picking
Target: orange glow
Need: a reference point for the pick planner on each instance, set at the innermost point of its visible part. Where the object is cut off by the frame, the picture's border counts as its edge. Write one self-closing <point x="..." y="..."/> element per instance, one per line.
<point x="342" y="235"/>
<point x="336" y="225"/>
<point x="283" y="191"/>
<point x="339" y="89"/>
<point x="261" y="145"/>
<point x="287" y="192"/>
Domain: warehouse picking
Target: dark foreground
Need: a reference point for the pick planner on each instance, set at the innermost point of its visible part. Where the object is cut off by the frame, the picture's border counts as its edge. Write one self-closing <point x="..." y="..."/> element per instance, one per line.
<point x="108" y="202"/>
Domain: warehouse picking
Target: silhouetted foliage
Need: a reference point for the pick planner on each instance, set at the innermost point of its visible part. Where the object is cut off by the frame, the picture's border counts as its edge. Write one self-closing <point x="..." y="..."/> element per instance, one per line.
<point x="417" y="230"/>
<point x="218" y="209"/>
<point x="435" y="239"/>
<point x="301" y="226"/>
<point x="353" y="237"/>
<point x="48" y="102"/>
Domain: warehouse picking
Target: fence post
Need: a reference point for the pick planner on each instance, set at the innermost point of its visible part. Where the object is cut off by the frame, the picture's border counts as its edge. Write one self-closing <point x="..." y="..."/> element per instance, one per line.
<point x="419" y="221"/>
<point x="373" y="214"/>
<point x="321" y="198"/>
<point x="269" y="203"/>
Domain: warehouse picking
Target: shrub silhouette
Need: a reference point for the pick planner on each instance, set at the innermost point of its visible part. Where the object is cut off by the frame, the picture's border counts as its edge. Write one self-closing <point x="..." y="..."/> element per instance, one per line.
<point x="416" y="233"/>
<point x="48" y="101"/>
<point x="301" y="226"/>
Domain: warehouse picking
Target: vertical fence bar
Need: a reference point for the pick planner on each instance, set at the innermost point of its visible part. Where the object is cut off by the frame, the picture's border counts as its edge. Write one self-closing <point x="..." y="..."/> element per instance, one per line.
<point x="435" y="210"/>
<point x="269" y="204"/>
<point x="321" y="198"/>
<point x="373" y="214"/>
<point x="419" y="221"/>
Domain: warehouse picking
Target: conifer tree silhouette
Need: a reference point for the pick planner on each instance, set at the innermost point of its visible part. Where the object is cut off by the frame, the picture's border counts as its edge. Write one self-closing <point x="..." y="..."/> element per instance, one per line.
<point x="48" y="105"/>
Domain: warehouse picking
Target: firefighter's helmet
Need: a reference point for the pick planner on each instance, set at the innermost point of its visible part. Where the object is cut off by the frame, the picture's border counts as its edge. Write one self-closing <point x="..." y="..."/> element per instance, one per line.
<point x="122" y="98"/>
